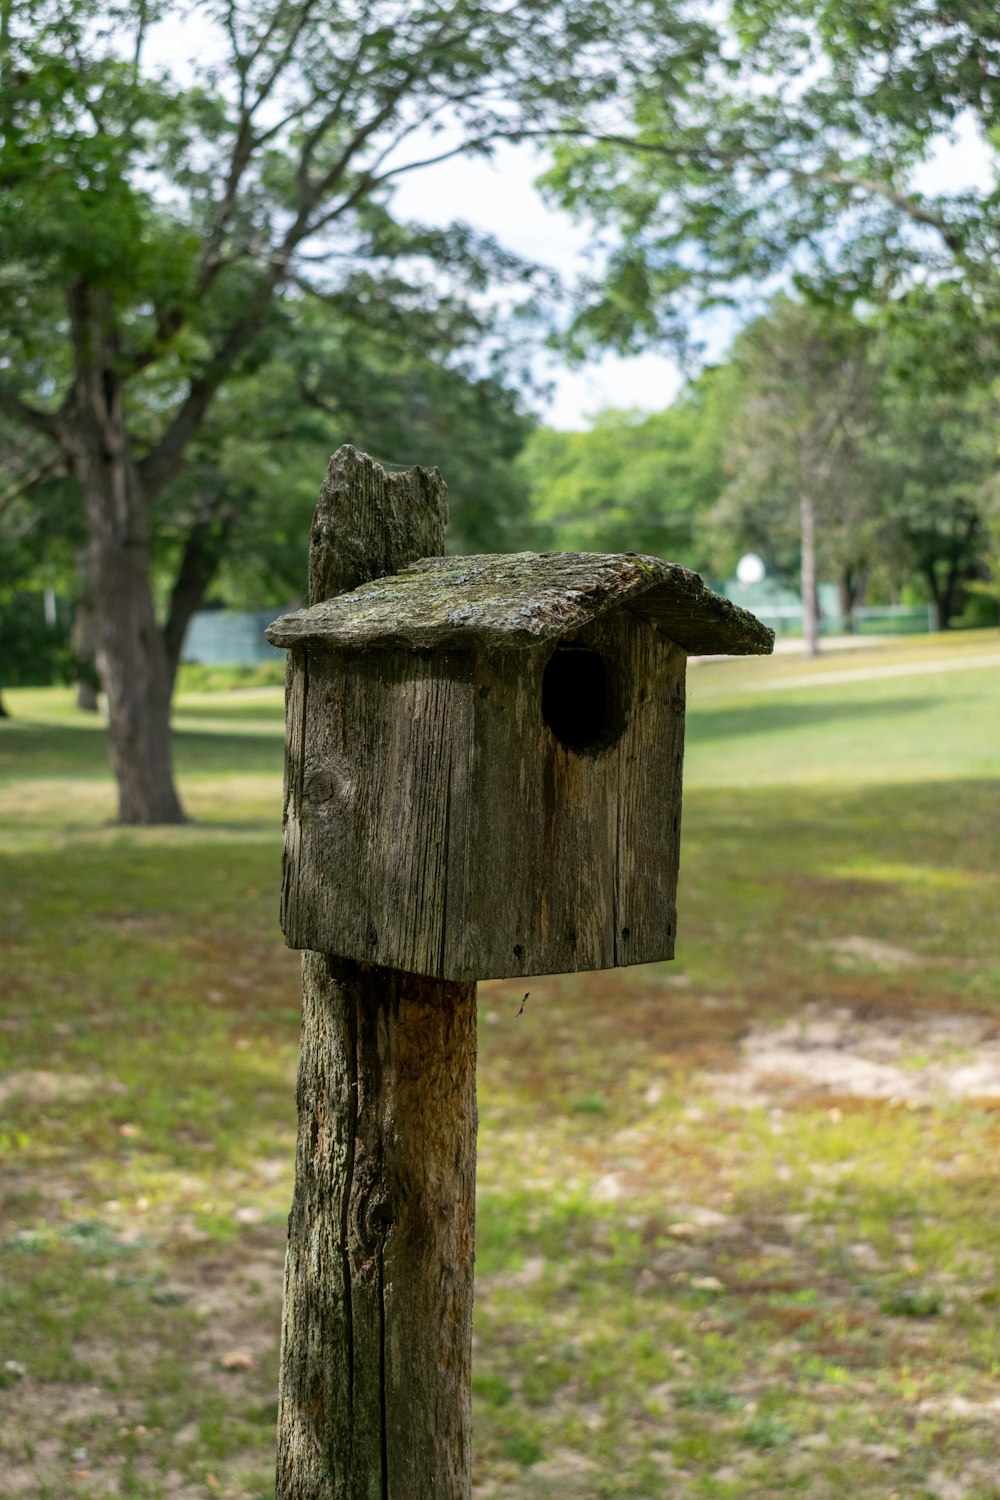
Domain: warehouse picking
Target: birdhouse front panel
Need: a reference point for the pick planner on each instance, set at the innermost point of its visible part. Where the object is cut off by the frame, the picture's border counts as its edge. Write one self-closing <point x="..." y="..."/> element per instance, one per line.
<point x="484" y="816"/>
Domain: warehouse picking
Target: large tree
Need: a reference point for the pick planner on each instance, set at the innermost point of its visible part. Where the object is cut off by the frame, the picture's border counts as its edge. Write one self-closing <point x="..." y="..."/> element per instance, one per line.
<point x="805" y="413"/>
<point x="853" y="446"/>
<point x="804" y="153"/>
<point x="397" y="382"/>
<point x="936" y="460"/>
<point x="151" y="230"/>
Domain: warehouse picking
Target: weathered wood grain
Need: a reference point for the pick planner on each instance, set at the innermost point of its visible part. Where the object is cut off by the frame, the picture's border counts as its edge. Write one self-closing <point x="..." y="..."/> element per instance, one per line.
<point x="437" y="775"/>
<point x="369" y="523"/>
<point x="574" y="853"/>
<point x="513" y="601"/>
<point x="376" y="1355"/>
<point x="375" y="1383"/>
<point x="376" y="836"/>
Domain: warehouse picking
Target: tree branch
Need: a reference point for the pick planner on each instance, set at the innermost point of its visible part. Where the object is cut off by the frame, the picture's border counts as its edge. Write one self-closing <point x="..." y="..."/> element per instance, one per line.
<point x="431" y="161"/>
<point x="284" y="56"/>
<point x="246" y="140"/>
<point x="712" y="157"/>
<point x="165" y="458"/>
<point x="44" y="422"/>
<point x="911" y="207"/>
<point x="439" y="41"/>
<point x="26" y="481"/>
<point x="204" y="550"/>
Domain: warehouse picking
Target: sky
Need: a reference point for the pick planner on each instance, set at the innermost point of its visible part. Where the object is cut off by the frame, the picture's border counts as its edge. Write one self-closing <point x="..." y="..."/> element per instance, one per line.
<point x="498" y="195"/>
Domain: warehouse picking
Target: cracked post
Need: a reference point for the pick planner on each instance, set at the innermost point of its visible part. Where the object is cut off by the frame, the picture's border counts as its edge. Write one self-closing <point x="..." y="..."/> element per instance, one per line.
<point x="375" y="1382"/>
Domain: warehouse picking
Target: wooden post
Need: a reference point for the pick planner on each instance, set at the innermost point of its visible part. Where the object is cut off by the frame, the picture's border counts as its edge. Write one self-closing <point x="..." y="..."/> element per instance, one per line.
<point x="375" y="1381"/>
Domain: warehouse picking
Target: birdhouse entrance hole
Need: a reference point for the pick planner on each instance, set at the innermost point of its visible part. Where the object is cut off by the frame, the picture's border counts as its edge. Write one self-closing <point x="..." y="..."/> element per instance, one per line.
<point x="577" y="700"/>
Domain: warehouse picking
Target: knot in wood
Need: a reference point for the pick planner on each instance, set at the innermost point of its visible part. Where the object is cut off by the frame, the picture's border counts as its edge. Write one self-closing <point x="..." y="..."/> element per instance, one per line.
<point x="377" y="1217"/>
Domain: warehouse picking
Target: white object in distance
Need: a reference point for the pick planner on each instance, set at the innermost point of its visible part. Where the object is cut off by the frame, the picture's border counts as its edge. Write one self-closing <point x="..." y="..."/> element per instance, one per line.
<point x="751" y="569"/>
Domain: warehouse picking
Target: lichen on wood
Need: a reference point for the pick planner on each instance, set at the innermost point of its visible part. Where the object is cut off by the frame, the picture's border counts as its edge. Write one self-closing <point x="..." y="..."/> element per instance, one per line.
<point x="369" y="523"/>
<point x="519" y="600"/>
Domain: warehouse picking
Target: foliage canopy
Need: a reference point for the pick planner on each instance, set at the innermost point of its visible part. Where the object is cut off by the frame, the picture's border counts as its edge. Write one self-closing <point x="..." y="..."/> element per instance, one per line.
<point x="159" y="237"/>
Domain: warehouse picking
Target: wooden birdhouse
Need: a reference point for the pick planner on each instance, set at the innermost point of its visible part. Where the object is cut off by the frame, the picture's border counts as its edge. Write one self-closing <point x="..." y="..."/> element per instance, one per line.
<point x="484" y="754"/>
<point x="482" y="778"/>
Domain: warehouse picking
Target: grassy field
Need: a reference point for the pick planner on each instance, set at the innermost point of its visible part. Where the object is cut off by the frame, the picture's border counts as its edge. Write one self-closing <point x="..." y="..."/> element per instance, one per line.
<point x="739" y="1215"/>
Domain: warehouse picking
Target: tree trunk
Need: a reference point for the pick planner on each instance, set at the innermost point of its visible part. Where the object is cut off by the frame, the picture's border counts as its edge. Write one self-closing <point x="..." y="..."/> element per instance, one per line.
<point x="83" y="640"/>
<point x="377" y="1338"/>
<point x="948" y="596"/>
<point x="851" y="587"/>
<point x="375" y="1384"/>
<point x="203" y="552"/>
<point x="130" y="655"/>
<point x="4" y="711"/>
<point x="133" y="668"/>
<point x="86" y="696"/>
<point x="938" y="611"/>
<point x="810" y="599"/>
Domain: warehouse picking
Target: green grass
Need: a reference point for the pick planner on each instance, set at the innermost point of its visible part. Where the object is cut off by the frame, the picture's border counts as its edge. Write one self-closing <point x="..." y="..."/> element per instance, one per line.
<point x="693" y="1278"/>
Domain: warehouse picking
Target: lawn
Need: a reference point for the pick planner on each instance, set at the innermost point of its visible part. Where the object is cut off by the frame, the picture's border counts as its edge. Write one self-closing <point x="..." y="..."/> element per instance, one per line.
<point x="738" y="1217"/>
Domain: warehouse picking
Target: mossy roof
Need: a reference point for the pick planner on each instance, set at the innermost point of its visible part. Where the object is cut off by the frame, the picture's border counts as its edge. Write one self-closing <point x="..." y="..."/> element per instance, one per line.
<point x="515" y="600"/>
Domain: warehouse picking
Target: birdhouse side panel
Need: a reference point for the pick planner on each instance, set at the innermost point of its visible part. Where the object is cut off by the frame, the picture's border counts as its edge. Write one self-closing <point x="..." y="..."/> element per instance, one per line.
<point x="651" y="759"/>
<point x="376" y="797"/>
<point x="575" y="823"/>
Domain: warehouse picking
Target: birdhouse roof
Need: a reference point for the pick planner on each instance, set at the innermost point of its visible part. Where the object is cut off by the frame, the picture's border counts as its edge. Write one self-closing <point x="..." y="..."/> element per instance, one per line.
<point x="511" y="601"/>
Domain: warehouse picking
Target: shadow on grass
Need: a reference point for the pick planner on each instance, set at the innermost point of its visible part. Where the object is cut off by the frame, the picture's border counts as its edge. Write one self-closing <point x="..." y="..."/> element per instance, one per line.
<point x="228" y="754"/>
<point x="935" y="824"/>
<point x="771" y="717"/>
<point x="79" y="748"/>
<point x="268" y="712"/>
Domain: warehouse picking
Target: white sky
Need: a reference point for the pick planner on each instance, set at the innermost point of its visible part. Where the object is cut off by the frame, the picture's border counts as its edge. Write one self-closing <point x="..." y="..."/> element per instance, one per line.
<point x="498" y="196"/>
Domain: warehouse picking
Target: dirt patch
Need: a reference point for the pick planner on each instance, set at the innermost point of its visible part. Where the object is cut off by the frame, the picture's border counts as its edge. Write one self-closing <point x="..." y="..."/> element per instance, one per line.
<point x="45" y="1088"/>
<point x="113" y="1436"/>
<point x="240" y="1309"/>
<point x="922" y="1058"/>
<point x="870" y="950"/>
